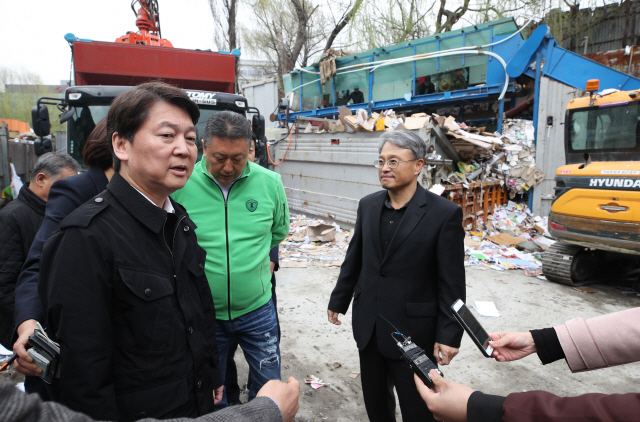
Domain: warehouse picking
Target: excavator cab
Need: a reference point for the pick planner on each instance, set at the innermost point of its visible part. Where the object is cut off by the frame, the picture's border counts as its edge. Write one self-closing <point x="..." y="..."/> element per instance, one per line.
<point x="595" y="215"/>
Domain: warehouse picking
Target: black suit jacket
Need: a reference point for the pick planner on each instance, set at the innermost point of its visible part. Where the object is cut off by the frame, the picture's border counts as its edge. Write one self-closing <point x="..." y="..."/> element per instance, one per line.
<point x="415" y="284"/>
<point x="65" y="196"/>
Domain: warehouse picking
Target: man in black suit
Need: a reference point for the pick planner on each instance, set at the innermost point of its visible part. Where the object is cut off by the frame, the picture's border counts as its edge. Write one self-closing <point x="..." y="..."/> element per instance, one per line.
<point x="405" y="263"/>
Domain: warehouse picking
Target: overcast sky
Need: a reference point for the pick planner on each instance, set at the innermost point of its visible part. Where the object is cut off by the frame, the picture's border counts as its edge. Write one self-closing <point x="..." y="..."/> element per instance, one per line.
<point x="32" y="31"/>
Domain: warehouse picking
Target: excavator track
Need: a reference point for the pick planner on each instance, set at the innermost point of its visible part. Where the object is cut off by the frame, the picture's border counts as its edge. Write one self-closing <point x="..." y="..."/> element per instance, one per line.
<point x="557" y="261"/>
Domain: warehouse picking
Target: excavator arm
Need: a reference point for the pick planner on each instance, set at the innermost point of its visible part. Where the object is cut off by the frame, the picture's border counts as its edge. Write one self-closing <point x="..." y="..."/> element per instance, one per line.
<point x="148" y="23"/>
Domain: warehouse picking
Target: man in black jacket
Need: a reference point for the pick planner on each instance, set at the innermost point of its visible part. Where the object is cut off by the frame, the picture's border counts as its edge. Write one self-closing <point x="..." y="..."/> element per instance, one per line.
<point x="405" y="263"/>
<point x="426" y="87"/>
<point x="19" y="222"/>
<point x="64" y="197"/>
<point x="356" y="96"/>
<point x="122" y="281"/>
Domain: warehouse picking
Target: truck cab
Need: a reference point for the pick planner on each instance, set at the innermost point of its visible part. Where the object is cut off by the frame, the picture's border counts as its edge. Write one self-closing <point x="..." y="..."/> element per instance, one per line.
<point x="84" y="106"/>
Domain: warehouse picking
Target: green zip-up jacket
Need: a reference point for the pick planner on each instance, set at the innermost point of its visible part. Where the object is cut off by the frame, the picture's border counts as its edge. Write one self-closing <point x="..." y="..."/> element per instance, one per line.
<point x="237" y="235"/>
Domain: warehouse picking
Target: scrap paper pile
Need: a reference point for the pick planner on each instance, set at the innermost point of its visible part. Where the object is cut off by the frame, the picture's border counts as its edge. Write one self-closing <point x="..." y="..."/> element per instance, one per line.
<point x="361" y="121"/>
<point x="315" y="382"/>
<point x="513" y="238"/>
<point x="313" y="242"/>
<point x="508" y="157"/>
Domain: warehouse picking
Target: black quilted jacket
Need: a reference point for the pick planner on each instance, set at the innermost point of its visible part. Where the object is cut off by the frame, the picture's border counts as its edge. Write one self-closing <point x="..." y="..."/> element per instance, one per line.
<point x="19" y="222"/>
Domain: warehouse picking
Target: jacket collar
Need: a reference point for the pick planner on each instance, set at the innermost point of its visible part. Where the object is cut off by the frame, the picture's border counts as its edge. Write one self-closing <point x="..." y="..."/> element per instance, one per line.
<point x="98" y="178"/>
<point x="150" y="215"/>
<point x="413" y="214"/>
<point x="36" y="203"/>
<point x="203" y="169"/>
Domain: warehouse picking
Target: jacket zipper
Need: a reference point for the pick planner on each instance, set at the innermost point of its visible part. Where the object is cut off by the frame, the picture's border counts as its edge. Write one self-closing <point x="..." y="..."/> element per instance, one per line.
<point x="174" y="235"/>
<point x="226" y="234"/>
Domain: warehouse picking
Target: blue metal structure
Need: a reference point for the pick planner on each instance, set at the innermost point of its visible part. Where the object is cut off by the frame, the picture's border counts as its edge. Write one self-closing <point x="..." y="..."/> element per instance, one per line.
<point x="535" y="57"/>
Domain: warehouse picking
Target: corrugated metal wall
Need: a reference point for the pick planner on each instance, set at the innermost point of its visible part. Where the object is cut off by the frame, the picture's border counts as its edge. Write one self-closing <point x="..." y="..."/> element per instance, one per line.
<point x="327" y="174"/>
<point x="554" y="99"/>
<point x="609" y="34"/>
<point x="263" y="96"/>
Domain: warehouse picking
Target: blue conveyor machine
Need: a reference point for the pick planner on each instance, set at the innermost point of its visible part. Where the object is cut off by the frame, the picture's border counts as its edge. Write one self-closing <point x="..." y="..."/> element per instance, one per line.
<point x="476" y="64"/>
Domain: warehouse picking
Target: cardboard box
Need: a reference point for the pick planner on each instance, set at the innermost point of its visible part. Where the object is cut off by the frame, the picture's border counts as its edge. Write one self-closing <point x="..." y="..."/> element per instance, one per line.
<point x="504" y="239"/>
<point x="321" y="233"/>
<point x="471" y="243"/>
<point x="450" y="123"/>
<point x="345" y="113"/>
<point x="351" y="122"/>
<point x="439" y="119"/>
<point x="416" y="122"/>
<point x="364" y="120"/>
<point x="388" y="121"/>
<point x="361" y="114"/>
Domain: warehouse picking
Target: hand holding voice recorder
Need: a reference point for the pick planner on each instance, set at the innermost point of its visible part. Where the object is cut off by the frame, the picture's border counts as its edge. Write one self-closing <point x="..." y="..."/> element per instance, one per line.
<point x="415" y="357"/>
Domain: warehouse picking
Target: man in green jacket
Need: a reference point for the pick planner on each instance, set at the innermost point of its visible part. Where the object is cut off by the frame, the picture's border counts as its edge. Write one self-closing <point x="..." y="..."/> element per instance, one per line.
<point x="241" y="212"/>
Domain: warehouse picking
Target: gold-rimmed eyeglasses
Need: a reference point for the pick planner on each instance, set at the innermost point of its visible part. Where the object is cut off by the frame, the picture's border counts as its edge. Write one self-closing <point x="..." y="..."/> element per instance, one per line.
<point x="393" y="163"/>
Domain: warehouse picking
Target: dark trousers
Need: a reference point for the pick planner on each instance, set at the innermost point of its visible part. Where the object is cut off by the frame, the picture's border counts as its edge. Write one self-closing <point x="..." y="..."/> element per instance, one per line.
<point x="379" y="375"/>
<point x="47" y="392"/>
<point x="231" y="374"/>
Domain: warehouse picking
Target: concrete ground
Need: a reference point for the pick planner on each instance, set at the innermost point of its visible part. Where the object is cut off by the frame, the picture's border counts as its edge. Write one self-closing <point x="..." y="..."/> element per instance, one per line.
<point x="312" y="346"/>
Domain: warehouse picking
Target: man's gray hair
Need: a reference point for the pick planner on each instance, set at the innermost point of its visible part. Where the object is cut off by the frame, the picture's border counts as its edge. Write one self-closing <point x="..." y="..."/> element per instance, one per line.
<point x="405" y="139"/>
<point x="227" y="125"/>
<point x="52" y="164"/>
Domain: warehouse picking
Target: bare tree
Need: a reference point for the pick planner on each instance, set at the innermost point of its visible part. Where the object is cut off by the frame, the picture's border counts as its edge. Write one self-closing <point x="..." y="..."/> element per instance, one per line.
<point x="344" y="20"/>
<point x="380" y="24"/>
<point x="292" y="33"/>
<point x="304" y="10"/>
<point x="225" y="36"/>
<point x="451" y="17"/>
<point x="488" y="10"/>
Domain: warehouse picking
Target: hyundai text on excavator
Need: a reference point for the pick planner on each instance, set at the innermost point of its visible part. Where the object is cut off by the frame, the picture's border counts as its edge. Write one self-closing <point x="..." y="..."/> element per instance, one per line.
<point x="595" y="213"/>
<point x="102" y="70"/>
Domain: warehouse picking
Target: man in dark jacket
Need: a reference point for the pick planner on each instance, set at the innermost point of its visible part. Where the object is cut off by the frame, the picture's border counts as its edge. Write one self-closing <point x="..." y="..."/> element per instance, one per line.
<point x="426" y="86"/>
<point x="64" y="197"/>
<point x="19" y="222"/>
<point x="356" y="96"/>
<point x="122" y="281"/>
<point x="405" y="264"/>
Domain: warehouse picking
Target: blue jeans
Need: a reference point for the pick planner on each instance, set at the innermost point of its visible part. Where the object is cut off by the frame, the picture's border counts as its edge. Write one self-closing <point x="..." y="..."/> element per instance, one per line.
<point x="257" y="334"/>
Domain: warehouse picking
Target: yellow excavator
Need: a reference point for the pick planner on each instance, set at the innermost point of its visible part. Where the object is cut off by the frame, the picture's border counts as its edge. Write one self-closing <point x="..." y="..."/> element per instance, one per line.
<point x="595" y="215"/>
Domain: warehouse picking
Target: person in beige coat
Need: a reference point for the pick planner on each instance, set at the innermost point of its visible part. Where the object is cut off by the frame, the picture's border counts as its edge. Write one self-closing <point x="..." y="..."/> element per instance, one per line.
<point x="586" y="345"/>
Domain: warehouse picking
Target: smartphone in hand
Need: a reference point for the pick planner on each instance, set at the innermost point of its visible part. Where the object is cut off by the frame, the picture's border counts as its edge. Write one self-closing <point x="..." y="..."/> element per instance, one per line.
<point x="471" y="325"/>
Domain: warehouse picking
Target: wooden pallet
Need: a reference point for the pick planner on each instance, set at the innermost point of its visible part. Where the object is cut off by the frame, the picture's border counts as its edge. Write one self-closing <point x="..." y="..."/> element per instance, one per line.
<point x="476" y="199"/>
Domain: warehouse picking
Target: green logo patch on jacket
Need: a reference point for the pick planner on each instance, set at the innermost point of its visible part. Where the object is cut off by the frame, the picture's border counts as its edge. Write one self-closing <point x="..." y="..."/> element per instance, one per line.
<point x="252" y="205"/>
